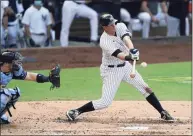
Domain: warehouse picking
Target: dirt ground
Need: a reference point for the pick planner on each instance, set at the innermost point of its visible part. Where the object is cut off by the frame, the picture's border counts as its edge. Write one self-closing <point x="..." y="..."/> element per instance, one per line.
<point x="121" y="118"/>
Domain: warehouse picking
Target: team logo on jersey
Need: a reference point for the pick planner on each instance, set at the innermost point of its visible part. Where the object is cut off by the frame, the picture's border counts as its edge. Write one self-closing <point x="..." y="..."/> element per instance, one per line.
<point x="44" y="17"/>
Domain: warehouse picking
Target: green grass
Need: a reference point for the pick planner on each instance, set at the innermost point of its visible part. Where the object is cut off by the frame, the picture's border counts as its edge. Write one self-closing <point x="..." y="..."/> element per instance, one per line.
<point x="171" y="81"/>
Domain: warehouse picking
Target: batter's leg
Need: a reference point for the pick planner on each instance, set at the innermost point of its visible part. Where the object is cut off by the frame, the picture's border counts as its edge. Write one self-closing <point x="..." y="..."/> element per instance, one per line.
<point x="143" y="88"/>
<point x="111" y="82"/>
<point x="87" y="12"/>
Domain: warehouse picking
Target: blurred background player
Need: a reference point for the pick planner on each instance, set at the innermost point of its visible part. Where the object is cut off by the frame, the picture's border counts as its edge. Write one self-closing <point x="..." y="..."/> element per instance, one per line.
<point x="37" y="35"/>
<point x="13" y="23"/>
<point x="5" y="12"/>
<point x="77" y="8"/>
<point x="134" y="12"/>
<point x="177" y="19"/>
<point x="157" y="12"/>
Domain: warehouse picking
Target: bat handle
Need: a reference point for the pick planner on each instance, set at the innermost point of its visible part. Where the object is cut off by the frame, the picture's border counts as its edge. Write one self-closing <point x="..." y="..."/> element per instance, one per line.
<point x="133" y="68"/>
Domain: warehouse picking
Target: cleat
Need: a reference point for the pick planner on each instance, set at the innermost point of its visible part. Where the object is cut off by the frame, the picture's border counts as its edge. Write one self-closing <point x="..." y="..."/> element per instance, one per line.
<point x="72" y="114"/>
<point x="166" y="116"/>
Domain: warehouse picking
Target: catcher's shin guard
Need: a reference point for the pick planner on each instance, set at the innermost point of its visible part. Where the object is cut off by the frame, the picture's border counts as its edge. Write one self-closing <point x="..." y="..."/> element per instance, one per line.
<point x="8" y="99"/>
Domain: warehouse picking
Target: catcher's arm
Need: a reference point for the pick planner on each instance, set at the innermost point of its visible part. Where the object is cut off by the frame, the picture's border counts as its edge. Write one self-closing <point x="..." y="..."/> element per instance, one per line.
<point x="54" y="77"/>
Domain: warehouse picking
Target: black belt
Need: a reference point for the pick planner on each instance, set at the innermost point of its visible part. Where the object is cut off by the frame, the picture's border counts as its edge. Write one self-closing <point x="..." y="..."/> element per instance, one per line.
<point x="42" y="34"/>
<point x="119" y="65"/>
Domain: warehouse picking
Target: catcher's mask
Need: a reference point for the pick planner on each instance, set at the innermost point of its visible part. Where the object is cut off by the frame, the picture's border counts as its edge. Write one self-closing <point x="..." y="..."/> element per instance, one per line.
<point x="16" y="59"/>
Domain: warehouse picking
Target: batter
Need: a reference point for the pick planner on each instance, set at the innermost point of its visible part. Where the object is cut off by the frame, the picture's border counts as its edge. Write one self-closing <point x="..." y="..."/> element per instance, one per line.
<point x="117" y="53"/>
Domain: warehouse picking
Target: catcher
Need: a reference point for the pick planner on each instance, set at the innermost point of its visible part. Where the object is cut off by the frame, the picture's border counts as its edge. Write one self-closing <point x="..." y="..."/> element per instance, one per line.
<point x="11" y="68"/>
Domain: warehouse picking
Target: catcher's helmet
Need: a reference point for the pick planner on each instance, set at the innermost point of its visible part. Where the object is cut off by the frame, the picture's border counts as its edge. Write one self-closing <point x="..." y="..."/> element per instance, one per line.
<point x="12" y="56"/>
<point x="107" y="19"/>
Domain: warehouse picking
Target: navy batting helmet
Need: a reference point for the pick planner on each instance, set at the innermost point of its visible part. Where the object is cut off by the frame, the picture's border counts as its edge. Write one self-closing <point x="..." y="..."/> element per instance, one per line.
<point x="107" y="19"/>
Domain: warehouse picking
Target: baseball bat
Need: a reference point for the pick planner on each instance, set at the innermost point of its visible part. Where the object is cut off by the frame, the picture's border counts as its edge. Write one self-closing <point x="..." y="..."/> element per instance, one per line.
<point x="132" y="75"/>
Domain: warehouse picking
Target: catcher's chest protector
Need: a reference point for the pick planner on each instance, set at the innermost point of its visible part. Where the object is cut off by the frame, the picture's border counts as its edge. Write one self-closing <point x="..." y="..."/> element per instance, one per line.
<point x="5" y="79"/>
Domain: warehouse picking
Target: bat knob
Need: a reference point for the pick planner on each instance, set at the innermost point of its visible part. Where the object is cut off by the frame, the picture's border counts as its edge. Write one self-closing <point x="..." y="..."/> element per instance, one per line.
<point x="132" y="75"/>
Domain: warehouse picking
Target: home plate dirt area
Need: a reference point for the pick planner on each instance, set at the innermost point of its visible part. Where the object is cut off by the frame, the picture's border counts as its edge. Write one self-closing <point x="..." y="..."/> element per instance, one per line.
<point x="121" y="118"/>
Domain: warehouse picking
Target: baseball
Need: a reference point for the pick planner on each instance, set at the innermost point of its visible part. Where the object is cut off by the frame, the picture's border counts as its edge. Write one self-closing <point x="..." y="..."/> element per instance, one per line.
<point x="144" y="64"/>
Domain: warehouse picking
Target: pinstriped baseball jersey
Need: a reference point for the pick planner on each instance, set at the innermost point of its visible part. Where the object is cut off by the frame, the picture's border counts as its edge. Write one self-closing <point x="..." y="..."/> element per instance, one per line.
<point x="113" y="76"/>
<point x="110" y="44"/>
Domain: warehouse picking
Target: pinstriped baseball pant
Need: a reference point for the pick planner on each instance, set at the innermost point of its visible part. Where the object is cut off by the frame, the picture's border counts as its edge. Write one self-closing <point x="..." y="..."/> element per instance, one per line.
<point x="112" y="77"/>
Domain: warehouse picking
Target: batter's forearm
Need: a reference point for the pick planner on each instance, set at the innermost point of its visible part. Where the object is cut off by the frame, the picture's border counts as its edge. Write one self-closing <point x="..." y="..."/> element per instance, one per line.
<point x="121" y="55"/>
<point x="128" y="42"/>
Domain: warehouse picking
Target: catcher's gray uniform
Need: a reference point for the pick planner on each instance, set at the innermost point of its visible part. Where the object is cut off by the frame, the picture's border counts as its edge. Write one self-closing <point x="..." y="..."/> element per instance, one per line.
<point x="11" y="63"/>
<point x="9" y="96"/>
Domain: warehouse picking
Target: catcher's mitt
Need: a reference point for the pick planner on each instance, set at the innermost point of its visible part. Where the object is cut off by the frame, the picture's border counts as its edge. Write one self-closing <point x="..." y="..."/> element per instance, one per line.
<point x="54" y="77"/>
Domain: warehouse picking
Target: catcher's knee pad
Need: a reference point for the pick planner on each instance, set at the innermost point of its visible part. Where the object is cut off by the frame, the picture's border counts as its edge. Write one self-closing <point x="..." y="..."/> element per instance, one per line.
<point x="8" y="98"/>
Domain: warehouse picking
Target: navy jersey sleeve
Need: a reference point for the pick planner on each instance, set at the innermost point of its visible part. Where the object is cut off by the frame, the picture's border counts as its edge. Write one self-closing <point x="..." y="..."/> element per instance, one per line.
<point x="20" y="74"/>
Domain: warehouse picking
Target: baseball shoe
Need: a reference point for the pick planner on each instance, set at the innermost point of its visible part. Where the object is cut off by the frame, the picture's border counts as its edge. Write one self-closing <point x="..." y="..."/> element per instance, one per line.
<point x="166" y="116"/>
<point x="72" y="114"/>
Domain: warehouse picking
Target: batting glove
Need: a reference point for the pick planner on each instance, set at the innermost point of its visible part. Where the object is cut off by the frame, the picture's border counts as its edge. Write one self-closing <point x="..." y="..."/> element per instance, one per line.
<point x="134" y="53"/>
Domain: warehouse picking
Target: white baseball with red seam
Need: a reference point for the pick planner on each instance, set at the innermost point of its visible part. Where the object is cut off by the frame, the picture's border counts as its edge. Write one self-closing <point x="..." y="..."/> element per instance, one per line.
<point x="143" y="64"/>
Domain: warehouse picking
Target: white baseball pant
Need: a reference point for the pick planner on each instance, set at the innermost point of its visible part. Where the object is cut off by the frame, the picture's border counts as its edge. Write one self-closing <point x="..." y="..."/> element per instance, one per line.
<point x="2" y="36"/>
<point x="13" y="29"/>
<point x="39" y="39"/>
<point x="112" y="77"/>
<point x="71" y="9"/>
<point x="173" y="26"/>
<point x="146" y="20"/>
<point x="125" y="15"/>
<point x="143" y="17"/>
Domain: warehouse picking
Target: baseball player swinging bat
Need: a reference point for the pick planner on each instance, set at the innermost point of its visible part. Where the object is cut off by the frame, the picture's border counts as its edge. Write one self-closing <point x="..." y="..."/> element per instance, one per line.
<point x="114" y="41"/>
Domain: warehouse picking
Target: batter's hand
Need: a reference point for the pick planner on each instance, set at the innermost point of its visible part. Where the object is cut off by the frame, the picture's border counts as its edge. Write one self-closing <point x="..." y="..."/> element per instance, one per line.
<point x="134" y="53"/>
<point x="54" y="77"/>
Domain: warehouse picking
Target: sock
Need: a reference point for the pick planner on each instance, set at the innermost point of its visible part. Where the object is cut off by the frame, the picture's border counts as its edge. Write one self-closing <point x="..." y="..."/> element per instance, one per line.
<point x="152" y="99"/>
<point x="86" y="108"/>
